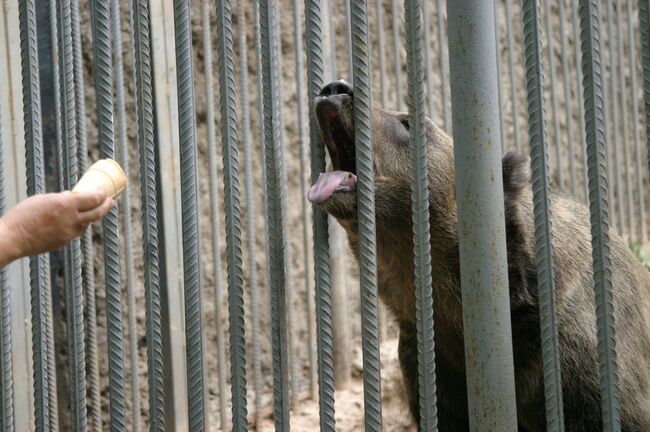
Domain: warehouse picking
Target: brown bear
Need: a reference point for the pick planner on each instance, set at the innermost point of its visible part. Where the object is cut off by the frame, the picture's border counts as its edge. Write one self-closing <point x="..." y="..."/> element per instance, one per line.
<point x="335" y="191"/>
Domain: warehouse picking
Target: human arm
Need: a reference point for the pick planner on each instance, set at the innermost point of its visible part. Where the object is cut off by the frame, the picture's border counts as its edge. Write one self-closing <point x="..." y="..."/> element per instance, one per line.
<point x="48" y="221"/>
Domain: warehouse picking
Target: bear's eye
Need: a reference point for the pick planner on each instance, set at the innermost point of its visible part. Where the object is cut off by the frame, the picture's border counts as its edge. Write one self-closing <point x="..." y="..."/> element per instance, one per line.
<point x="405" y="122"/>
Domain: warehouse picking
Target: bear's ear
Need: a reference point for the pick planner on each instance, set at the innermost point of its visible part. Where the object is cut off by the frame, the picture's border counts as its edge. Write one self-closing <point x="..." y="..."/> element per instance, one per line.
<point x="516" y="174"/>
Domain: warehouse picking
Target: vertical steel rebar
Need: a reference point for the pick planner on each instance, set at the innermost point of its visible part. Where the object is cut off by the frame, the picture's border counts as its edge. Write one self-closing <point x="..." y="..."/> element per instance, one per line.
<point x="444" y="79"/>
<point x="591" y="65"/>
<point x="329" y="13"/>
<point x="348" y="30"/>
<point x="110" y="223"/>
<point x="428" y="58"/>
<point x="233" y="215"/>
<point x="190" y="215"/>
<point x="315" y="71"/>
<point x="87" y="270"/>
<point x="542" y="214"/>
<point x="302" y="143"/>
<point x="49" y="326"/>
<point x="147" y="154"/>
<point x="257" y="361"/>
<point x="631" y="220"/>
<point x="72" y="253"/>
<point x="420" y="214"/>
<point x="214" y="207"/>
<point x="642" y="233"/>
<point x="481" y="223"/>
<point x="581" y="107"/>
<point x="513" y="83"/>
<point x="6" y="363"/>
<point x="644" y="25"/>
<point x="554" y="103"/>
<point x="567" y="99"/>
<point x="38" y="265"/>
<point x="614" y="149"/>
<point x="395" y="27"/>
<point x="275" y="210"/>
<point x="122" y="139"/>
<point x="381" y="40"/>
<point x="497" y="40"/>
<point x="366" y="217"/>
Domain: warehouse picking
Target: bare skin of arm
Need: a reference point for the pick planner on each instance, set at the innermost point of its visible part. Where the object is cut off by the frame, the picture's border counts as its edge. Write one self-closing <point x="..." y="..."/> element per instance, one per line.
<point x="46" y="222"/>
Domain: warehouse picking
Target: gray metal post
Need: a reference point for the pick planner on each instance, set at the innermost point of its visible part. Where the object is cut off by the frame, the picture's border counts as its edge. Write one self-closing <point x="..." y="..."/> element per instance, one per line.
<point x="366" y="216"/>
<point x="313" y="30"/>
<point x="598" y="206"/>
<point x="150" y="242"/>
<point x="11" y="114"/>
<point x="481" y="224"/>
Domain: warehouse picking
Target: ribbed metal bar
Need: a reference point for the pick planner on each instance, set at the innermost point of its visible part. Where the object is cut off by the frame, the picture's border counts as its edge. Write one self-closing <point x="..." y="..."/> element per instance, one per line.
<point x="146" y="148"/>
<point x="381" y="40"/>
<point x="275" y="211"/>
<point x="395" y="26"/>
<point x="554" y="102"/>
<point x="568" y="112"/>
<point x="255" y="343"/>
<point x="233" y="215"/>
<point x="214" y="206"/>
<point x="348" y="30"/>
<point x="642" y="232"/>
<point x="644" y="25"/>
<point x="332" y="39"/>
<point x="644" y="20"/>
<point x="615" y="145"/>
<point x="49" y="326"/>
<point x="72" y="253"/>
<point x="444" y="80"/>
<point x="122" y="139"/>
<point x="581" y="107"/>
<point x="421" y="233"/>
<point x="591" y="66"/>
<point x="366" y="217"/>
<point x="87" y="270"/>
<point x="623" y="65"/>
<point x="302" y="142"/>
<point x="189" y="191"/>
<point x="542" y="213"/>
<point x="513" y="83"/>
<point x="110" y="223"/>
<point x="428" y="58"/>
<point x="315" y="70"/>
<point x="6" y="363"/>
<point x="38" y="265"/>
<point x="497" y="40"/>
<point x="481" y="227"/>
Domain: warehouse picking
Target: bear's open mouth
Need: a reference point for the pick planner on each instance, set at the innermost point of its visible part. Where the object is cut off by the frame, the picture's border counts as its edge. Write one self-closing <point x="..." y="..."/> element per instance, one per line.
<point x="340" y="147"/>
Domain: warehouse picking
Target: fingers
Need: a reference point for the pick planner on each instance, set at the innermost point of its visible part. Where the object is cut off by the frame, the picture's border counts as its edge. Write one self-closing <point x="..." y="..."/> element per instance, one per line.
<point x="85" y="201"/>
<point x="97" y="212"/>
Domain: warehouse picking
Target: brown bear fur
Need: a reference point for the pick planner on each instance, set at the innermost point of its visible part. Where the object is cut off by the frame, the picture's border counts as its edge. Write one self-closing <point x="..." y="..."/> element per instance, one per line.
<point x="573" y="279"/>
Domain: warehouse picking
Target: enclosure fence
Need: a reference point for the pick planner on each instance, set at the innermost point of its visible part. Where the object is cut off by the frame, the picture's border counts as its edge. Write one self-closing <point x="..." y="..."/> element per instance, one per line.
<point x="57" y="371"/>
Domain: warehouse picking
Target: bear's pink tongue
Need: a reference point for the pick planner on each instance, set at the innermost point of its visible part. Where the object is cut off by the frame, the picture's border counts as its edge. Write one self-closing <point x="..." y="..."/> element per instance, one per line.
<point x="330" y="182"/>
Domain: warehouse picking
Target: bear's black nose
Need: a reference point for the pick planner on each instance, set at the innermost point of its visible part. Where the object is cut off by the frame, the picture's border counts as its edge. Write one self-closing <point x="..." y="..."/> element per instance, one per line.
<point x="339" y="87"/>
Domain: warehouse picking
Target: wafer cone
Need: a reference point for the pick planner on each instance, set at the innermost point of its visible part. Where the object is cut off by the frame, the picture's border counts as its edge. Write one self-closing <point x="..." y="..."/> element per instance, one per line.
<point x="105" y="174"/>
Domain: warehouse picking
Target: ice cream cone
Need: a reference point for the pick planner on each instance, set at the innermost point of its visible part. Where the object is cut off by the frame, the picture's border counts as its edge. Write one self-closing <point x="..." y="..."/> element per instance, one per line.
<point x="105" y="174"/>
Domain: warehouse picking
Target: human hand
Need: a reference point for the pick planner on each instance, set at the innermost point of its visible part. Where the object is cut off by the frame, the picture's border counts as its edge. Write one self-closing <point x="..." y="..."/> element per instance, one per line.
<point x="48" y="221"/>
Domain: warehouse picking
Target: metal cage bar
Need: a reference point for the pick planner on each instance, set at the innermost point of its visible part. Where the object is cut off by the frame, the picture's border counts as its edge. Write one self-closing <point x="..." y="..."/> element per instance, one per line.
<point x="542" y="214"/>
<point x="595" y="133"/>
<point x="315" y="71"/>
<point x="420" y="215"/>
<point x="481" y="225"/>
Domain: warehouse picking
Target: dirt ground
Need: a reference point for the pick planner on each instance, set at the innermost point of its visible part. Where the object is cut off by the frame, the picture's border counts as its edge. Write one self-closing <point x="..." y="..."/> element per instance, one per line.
<point x="349" y="402"/>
